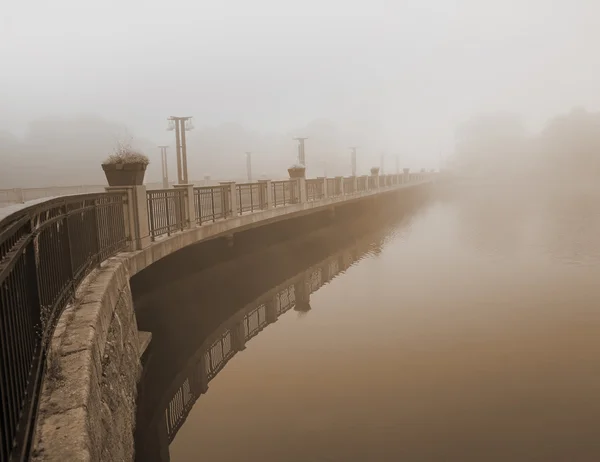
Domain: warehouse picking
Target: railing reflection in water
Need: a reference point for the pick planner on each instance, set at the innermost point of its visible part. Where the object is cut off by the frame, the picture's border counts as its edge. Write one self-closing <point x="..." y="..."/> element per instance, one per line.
<point x="246" y="324"/>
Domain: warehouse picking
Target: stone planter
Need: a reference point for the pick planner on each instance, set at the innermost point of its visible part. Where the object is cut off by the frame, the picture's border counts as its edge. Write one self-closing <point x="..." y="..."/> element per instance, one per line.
<point x="297" y="171"/>
<point x="124" y="174"/>
<point x="375" y="171"/>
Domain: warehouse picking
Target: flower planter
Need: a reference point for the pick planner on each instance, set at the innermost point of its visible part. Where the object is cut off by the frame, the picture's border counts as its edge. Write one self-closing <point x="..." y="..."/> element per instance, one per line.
<point x="375" y="171"/>
<point x="124" y="174"/>
<point x="297" y="171"/>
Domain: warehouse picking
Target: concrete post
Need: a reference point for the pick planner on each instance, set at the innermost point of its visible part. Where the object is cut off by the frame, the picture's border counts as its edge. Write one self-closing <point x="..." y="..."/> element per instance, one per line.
<point x="302" y="293"/>
<point x="325" y="192"/>
<point x="302" y="190"/>
<point x="325" y="272"/>
<point x="266" y="202"/>
<point x="375" y="176"/>
<point x="19" y="195"/>
<point x="271" y="311"/>
<point x="201" y="379"/>
<point x="339" y="180"/>
<point x="189" y="209"/>
<point x="232" y="198"/>
<point x="238" y="336"/>
<point x="355" y="184"/>
<point x="136" y="215"/>
<point x="406" y="177"/>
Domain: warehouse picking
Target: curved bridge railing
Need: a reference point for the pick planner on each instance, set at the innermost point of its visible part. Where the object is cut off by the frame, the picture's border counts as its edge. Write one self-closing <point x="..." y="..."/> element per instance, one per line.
<point x="45" y="251"/>
<point x="47" y="248"/>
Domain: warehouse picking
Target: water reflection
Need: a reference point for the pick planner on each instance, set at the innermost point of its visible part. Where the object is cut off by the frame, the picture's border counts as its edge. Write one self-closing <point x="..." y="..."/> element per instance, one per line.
<point x="460" y="338"/>
<point x="205" y="330"/>
<point x="570" y="225"/>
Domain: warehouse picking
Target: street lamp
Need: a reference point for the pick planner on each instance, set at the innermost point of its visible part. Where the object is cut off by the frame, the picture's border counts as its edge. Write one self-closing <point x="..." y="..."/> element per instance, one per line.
<point x="181" y="125"/>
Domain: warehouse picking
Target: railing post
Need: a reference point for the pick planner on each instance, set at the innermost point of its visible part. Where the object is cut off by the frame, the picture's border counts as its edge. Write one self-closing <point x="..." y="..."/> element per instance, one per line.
<point x="271" y="311"/>
<point x="235" y="207"/>
<point x="340" y="181"/>
<point x="266" y="198"/>
<point x="135" y="213"/>
<point x="375" y="176"/>
<point x="238" y="336"/>
<point x="302" y="190"/>
<point x="201" y="375"/>
<point x="302" y="294"/>
<point x="189" y="210"/>
<point x="406" y="176"/>
<point x="355" y="184"/>
<point x="325" y="192"/>
<point x="19" y="195"/>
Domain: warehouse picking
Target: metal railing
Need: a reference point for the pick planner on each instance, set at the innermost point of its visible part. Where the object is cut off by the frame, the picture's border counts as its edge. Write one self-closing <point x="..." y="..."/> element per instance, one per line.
<point x="255" y="321"/>
<point x="251" y="196"/>
<point x="166" y="211"/>
<point x="45" y="252"/>
<point x="285" y="192"/>
<point x="211" y="203"/>
<point x="315" y="189"/>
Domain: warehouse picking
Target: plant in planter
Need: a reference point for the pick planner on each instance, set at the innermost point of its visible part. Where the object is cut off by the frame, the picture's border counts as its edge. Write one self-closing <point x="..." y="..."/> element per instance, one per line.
<point x="375" y="171"/>
<point x="297" y="171"/>
<point x="125" y="166"/>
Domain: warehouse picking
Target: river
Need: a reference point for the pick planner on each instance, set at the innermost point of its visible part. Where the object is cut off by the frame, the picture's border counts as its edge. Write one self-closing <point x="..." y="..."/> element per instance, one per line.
<point x="463" y="329"/>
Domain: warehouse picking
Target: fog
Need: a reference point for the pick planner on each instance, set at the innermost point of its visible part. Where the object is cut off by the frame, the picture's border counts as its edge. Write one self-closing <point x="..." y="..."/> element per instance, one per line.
<point x="427" y="81"/>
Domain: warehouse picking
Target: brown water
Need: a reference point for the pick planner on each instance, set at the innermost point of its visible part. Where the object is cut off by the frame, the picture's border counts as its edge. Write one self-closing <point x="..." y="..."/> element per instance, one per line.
<point x="468" y="331"/>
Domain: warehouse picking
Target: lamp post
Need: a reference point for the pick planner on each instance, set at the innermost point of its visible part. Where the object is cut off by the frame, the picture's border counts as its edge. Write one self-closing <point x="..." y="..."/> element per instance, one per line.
<point x="165" y="171"/>
<point x="249" y="166"/>
<point x="353" y="159"/>
<point x="301" y="153"/>
<point x="181" y="125"/>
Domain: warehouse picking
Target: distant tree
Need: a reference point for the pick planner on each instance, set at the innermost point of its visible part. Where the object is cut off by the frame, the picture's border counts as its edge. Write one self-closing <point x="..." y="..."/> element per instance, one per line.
<point x="570" y="143"/>
<point x="61" y="151"/>
<point x="490" y="143"/>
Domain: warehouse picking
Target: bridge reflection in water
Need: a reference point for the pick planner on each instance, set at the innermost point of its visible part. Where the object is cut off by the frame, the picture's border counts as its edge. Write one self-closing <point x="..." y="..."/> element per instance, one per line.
<point x="164" y="408"/>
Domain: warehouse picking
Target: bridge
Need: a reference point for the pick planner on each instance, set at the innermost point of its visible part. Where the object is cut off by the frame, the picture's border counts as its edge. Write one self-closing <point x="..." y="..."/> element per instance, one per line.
<point x="66" y="314"/>
<point x="173" y="386"/>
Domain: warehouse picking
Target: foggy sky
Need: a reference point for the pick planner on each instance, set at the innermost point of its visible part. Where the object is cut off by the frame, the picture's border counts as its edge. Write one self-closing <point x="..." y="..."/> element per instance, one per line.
<point x="397" y="76"/>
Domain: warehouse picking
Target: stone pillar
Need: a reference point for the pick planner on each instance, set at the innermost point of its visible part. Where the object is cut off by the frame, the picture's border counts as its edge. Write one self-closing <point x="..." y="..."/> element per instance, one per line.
<point x="339" y="180"/>
<point x="201" y="376"/>
<point x="266" y="202"/>
<point x="406" y="176"/>
<point x="238" y="336"/>
<point x="232" y="200"/>
<point x="302" y="293"/>
<point x="324" y="180"/>
<point x="189" y="209"/>
<point x="375" y="176"/>
<point x="135" y="213"/>
<point x="19" y="195"/>
<point x="302" y="190"/>
<point x="355" y="184"/>
<point x="271" y="311"/>
<point x="325" y="272"/>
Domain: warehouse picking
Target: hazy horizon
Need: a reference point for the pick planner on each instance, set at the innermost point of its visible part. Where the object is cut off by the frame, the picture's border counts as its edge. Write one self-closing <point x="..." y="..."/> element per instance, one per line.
<point x="390" y="78"/>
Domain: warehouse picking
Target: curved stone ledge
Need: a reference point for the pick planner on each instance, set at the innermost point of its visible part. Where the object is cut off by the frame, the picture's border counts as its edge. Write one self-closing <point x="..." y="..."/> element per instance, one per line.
<point x="87" y="403"/>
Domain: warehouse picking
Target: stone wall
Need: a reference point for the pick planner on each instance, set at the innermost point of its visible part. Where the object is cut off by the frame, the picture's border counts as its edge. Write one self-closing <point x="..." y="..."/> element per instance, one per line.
<point x="87" y="404"/>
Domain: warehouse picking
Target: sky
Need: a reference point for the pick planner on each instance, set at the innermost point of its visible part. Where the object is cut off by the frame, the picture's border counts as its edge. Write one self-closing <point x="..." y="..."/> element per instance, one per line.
<point x="405" y="73"/>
